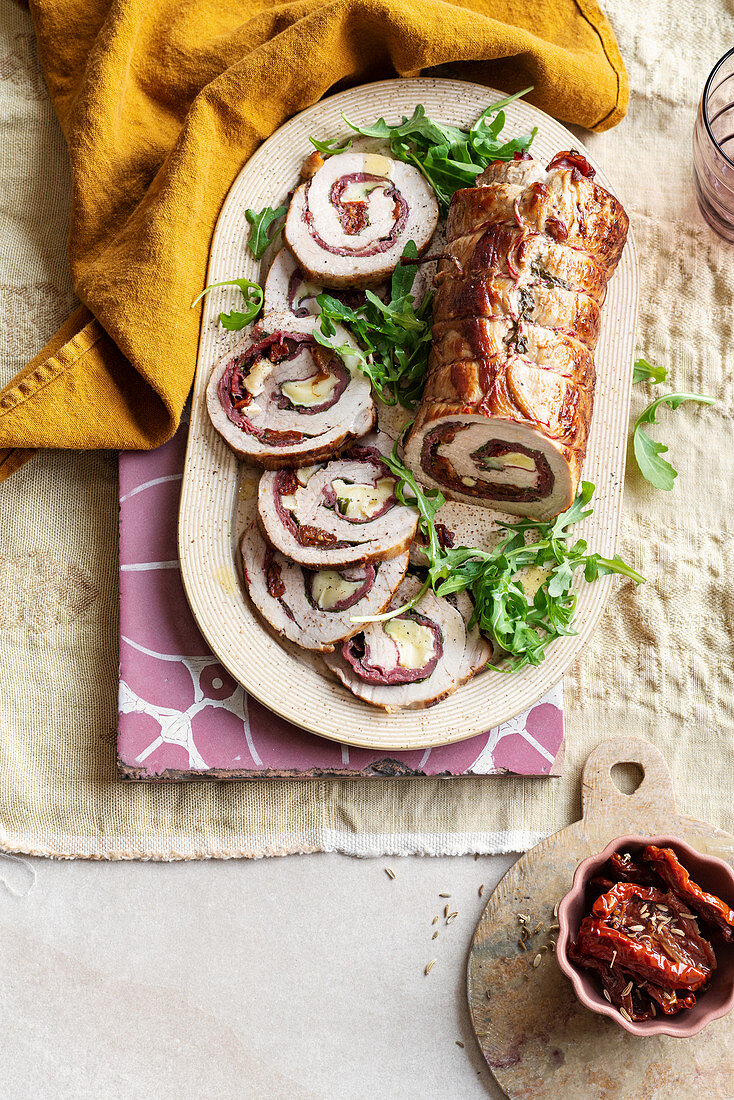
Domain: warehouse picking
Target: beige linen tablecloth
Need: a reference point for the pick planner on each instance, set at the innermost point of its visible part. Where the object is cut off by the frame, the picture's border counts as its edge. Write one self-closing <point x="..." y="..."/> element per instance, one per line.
<point x="660" y="665"/>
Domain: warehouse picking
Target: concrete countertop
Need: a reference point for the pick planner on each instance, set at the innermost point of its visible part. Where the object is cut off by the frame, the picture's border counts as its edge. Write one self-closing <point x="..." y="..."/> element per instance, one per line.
<point x="281" y="979"/>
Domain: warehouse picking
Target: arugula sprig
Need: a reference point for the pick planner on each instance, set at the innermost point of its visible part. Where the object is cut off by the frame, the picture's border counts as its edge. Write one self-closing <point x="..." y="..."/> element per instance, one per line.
<point x="395" y="335"/>
<point x="447" y="156"/>
<point x="655" y="469"/>
<point x="251" y="292"/>
<point x="264" y="228"/>
<point x="520" y="628"/>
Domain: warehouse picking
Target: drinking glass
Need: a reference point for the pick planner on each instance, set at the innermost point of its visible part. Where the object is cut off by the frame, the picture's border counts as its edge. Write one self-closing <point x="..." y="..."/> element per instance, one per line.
<point x="713" y="148"/>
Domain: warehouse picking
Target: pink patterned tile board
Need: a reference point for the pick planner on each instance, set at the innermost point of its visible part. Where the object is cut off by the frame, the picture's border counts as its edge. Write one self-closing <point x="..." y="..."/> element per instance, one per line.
<point x="182" y="716"/>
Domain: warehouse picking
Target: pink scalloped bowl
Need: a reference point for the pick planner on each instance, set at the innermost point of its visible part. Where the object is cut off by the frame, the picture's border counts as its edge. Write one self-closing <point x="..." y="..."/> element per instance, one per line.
<point x="713" y="875"/>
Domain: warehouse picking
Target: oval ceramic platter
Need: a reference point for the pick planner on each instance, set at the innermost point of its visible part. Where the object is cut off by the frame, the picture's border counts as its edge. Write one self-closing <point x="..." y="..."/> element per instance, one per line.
<point x="217" y="498"/>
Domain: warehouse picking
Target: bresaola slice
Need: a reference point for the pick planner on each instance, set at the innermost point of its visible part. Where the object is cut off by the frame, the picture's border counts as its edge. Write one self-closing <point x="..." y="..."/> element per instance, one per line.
<point x="416" y="659"/>
<point x="315" y="609"/>
<point x="337" y="513"/>
<point x="349" y="223"/>
<point x="280" y="399"/>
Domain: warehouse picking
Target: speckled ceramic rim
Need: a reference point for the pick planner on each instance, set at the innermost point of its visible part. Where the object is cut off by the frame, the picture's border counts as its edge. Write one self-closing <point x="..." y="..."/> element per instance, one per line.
<point x="665" y="1025"/>
<point x="208" y="534"/>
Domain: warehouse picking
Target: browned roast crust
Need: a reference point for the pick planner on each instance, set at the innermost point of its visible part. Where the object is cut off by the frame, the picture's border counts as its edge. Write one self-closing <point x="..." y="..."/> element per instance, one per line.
<point x="594" y="220"/>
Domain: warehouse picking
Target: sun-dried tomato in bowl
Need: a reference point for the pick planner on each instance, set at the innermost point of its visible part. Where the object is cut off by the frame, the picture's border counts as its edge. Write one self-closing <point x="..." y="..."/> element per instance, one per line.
<point x="649" y="933"/>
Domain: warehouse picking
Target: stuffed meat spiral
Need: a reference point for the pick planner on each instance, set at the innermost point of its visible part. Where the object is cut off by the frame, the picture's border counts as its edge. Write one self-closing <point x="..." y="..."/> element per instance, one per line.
<point x="336" y="513"/>
<point x="415" y="659"/>
<point x="280" y="399"/>
<point x="315" y="608"/>
<point x="349" y="223"/>
<point x="508" y="401"/>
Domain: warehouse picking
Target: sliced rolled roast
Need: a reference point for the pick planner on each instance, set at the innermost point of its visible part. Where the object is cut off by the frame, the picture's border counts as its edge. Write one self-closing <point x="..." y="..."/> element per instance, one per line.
<point x="289" y="291"/>
<point x="415" y="659"/>
<point x="349" y="223"/>
<point x="337" y="513"/>
<point x="507" y="406"/>
<point x="280" y="399"/>
<point x="314" y="609"/>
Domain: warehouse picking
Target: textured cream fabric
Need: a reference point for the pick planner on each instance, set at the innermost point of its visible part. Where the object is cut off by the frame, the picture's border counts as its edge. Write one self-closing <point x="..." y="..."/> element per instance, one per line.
<point x="660" y="666"/>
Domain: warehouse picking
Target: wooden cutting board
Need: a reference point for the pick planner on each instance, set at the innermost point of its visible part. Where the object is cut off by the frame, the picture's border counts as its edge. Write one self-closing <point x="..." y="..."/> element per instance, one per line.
<point x="537" y="1039"/>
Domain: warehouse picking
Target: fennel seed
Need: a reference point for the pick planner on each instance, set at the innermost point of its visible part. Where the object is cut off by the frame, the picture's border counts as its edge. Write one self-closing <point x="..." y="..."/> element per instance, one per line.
<point x="522" y="945"/>
<point x="435" y="934"/>
<point x="538" y="927"/>
<point x="430" y="966"/>
<point x="606" y="994"/>
<point x="627" y="989"/>
<point x="459" y="1043"/>
<point x="389" y="872"/>
<point x="452" y="916"/>
<point x="445" y="911"/>
<point x="625" y="1013"/>
<point x="444" y="895"/>
<point x="537" y="960"/>
<point x="481" y="890"/>
<point x="435" y="920"/>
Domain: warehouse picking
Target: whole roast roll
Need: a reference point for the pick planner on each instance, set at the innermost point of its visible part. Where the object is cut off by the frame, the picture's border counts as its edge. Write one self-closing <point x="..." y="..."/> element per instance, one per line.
<point x="507" y="406"/>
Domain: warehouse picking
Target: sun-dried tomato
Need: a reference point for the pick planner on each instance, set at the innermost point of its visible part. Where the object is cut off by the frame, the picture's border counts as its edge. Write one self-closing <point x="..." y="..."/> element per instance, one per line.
<point x="282" y="439"/>
<point x="276" y="585"/>
<point x="637" y="955"/>
<point x="313" y="536"/>
<point x="278" y="350"/>
<point x="574" y="160"/>
<point x="287" y="482"/>
<point x="642" y="934"/>
<point x="626" y="869"/>
<point x="446" y="538"/>
<point x="712" y="909"/>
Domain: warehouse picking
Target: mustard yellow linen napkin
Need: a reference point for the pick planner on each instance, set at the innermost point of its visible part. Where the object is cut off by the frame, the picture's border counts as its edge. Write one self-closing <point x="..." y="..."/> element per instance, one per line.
<point x="161" y="103"/>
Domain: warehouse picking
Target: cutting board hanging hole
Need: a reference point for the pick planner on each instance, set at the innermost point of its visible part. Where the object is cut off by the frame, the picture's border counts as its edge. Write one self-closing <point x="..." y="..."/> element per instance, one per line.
<point x="627" y="776"/>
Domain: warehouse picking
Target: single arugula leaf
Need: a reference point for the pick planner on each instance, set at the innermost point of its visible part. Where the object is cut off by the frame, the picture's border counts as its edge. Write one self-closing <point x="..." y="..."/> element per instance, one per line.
<point x="251" y="292"/>
<point x="646" y="372"/>
<point x="330" y="147"/>
<point x="263" y="232"/>
<point x="404" y="274"/>
<point x="648" y="452"/>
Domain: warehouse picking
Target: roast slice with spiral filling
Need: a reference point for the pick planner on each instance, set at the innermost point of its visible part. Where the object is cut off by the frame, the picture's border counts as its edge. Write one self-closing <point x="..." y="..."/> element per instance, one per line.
<point x="280" y="399"/>
<point x="349" y="224"/>
<point x="315" y="609"/>
<point x="416" y="659"/>
<point x="336" y="513"/>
